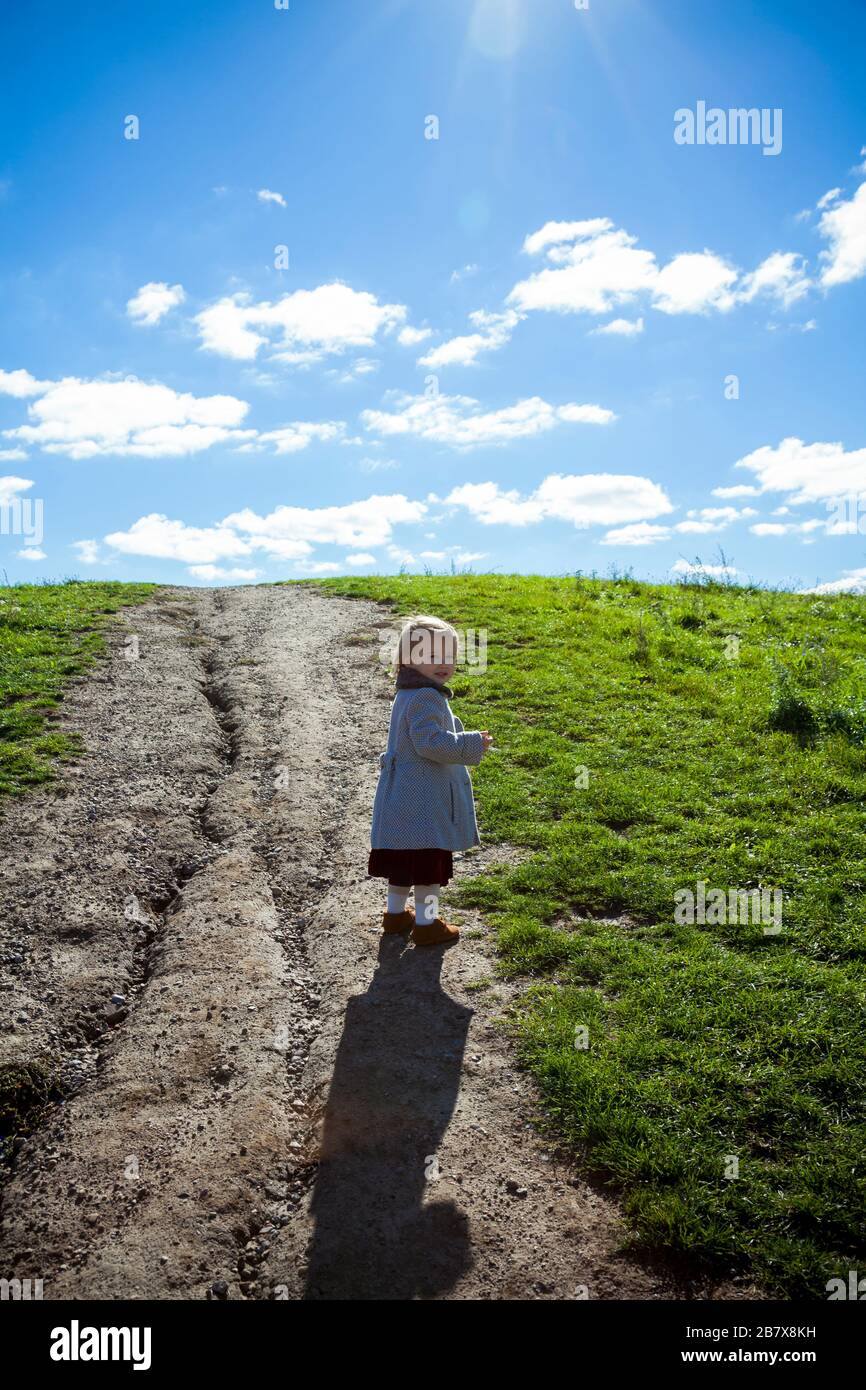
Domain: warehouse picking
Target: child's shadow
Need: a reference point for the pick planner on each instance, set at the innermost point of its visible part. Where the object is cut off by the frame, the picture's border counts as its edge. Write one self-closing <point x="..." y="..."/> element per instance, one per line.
<point x="380" y="1230"/>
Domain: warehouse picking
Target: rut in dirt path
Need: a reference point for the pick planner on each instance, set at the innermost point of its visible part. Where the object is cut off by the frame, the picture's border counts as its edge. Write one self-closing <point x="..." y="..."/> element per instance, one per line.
<point x="277" y="1102"/>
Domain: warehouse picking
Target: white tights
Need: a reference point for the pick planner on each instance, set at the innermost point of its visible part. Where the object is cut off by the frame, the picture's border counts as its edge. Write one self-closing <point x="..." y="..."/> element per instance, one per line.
<point x="426" y="901"/>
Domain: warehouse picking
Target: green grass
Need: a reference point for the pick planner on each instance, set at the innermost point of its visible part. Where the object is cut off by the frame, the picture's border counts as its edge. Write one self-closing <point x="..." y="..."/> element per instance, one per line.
<point x="705" y="1041"/>
<point x="48" y="634"/>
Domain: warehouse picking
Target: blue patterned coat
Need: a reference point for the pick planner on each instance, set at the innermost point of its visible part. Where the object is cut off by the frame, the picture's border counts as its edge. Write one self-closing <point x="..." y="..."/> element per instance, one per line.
<point x="424" y="796"/>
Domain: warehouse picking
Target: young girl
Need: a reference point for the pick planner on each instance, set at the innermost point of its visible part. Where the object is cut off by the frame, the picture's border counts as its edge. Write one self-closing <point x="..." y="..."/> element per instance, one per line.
<point x="423" y="808"/>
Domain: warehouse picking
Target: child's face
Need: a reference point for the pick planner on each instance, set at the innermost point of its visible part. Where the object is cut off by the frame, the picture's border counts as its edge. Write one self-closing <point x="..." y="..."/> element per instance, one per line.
<point x="434" y="654"/>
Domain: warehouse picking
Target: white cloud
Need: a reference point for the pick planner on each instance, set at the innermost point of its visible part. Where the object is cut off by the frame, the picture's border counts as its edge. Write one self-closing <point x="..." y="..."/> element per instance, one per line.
<point x="20" y="383"/>
<point x="362" y="558"/>
<point x="215" y="572"/>
<point x="621" y="328"/>
<point x="411" y="337"/>
<point x="454" y="553"/>
<point x="807" y="472"/>
<point x="738" y="490"/>
<point x="288" y="533"/>
<point x="266" y="195"/>
<point x="32" y="552"/>
<point x="360" y="367"/>
<point x="463" y="273"/>
<point x="88" y="551"/>
<point x="597" y="267"/>
<point x="10" y="487"/>
<point x="781" y="276"/>
<point x="594" y="266"/>
<point x="400" y="556"/>
<point x="458" y="421"/>
<point x="299" y="328"/>
<point x="793" y="528"/>
<point x="640" y="533"/>
<point x="317" y="567"/>
<point x="808" y="327"/>
<point x="495" y="331"/>
<point x="853" y="582"/>
<point x="468" y="557"/>
<point x="558" y="233"/>
<point x="844" y="226"/>
<point x="10" y="455"/>
<point x="82" y="419"/>
<point x="159" y="537"/>
<point x="153" y="301"/>
<point x="694" y="567"/>
<point x="585" y="414"/>
<point x="585" y="499"/>
<point x="374" y="465"/>
<point x="705" y="520"/>
<point x="769" y="528"/>
<point x="693" y="283"/>
<point x="291" y="439"/>
<point x="355" y="525"/>
<point x="828" y="198"/>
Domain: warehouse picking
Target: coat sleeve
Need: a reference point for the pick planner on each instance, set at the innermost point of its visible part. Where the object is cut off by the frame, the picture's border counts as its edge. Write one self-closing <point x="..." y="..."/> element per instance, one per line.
<point x="425" y="719"/>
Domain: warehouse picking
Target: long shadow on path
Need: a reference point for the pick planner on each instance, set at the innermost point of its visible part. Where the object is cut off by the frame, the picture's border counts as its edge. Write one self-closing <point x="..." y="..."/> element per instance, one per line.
<point x="395" y="1084"/>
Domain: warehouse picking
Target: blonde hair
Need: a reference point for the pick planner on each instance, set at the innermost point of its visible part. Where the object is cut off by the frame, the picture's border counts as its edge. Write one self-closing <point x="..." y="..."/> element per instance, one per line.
<point x="420" y="623"/>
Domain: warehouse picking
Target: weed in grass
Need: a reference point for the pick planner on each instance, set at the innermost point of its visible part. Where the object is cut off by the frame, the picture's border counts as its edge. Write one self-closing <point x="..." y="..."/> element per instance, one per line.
<point x="791" y="712"/>
<point x="25" y="1091"/>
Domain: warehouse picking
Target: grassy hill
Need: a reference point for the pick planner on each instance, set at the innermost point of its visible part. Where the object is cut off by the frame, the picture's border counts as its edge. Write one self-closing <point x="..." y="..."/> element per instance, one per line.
<point x="651" y="738"/>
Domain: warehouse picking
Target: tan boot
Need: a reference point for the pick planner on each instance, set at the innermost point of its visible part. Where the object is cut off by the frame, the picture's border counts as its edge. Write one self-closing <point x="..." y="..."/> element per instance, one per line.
<point x="436" y="933"/>
<point x="393" y="922"/>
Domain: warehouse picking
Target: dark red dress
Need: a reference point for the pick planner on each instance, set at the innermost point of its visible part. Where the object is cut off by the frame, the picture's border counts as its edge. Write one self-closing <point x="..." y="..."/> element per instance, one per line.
<point x="403" y="867"/>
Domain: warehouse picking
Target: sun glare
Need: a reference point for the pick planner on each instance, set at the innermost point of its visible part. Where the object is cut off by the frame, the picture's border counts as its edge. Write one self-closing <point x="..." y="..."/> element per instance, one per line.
<point x="497" y="28"/>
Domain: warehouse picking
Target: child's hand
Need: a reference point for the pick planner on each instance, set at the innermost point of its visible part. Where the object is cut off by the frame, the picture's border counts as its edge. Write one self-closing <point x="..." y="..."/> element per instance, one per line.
<point x="487" y="739"/>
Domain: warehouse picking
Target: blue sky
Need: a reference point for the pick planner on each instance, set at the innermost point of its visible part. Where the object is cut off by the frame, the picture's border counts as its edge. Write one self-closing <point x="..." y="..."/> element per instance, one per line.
<point x="521" y="328"/>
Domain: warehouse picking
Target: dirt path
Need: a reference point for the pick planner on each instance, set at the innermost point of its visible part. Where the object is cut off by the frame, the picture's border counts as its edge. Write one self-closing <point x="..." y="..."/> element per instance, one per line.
<point x="283" y="1104"/>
